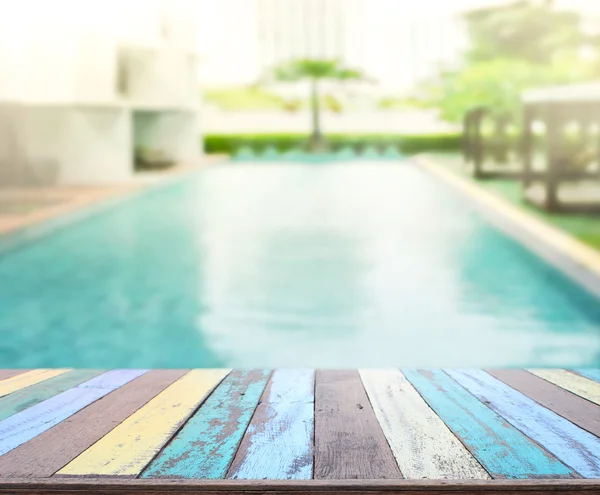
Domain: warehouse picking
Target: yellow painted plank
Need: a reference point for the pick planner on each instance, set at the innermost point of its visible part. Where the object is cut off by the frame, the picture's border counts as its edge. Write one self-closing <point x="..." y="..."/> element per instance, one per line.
<point x="10" y="385"/>
<point x="128" y="448"/>
<point x="588" y="389"/>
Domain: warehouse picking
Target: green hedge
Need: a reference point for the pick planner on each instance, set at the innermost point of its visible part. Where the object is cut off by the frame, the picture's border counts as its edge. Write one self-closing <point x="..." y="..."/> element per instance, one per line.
<point x="230" y="143"/>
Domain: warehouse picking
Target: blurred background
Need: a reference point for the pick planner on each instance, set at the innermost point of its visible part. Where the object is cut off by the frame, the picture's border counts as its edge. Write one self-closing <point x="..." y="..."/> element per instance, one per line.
<point x="240" y="182"/>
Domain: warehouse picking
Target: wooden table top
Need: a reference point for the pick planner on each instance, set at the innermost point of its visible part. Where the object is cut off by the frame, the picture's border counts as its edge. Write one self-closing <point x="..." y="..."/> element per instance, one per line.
<point x="323" y="431"/>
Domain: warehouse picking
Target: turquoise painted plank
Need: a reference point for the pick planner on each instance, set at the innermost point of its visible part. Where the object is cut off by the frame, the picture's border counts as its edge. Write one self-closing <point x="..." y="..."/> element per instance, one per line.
<point x="572" y="445"/>
<point x="27" y="424"/>
<point x="23" y="399"/>
<point x="501" y="449"/>
<point x="592" y="374"/>
<point x="206" y="445"/>
<point x="278" y="444"/>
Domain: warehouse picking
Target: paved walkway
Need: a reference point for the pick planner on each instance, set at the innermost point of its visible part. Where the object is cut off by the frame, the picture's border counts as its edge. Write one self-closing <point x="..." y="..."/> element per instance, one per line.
<point x="23" y="207"/>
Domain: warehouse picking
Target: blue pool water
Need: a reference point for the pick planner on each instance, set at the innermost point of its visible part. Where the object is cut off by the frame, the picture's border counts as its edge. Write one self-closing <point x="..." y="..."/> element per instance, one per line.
<point x="340" y="265"/>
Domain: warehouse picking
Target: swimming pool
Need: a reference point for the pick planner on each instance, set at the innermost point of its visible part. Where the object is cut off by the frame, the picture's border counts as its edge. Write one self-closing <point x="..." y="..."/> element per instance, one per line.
<point x="270" y="265"/>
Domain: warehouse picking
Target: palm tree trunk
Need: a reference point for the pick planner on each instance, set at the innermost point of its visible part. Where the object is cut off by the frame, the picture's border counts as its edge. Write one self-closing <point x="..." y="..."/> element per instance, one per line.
<point x="316" y="141"/>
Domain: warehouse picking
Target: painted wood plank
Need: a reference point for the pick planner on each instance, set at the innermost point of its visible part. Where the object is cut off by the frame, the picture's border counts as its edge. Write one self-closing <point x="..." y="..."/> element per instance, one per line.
<point x="349" y="443"/>
<point x="4" y="374"/>
<point x="592" y="374"/>
<point x="127" y="449"/>
<point x="22" y="380"/>
<point x="45" y="454"/>
<point x="570" y="406"/>
<point x="278" y="444"/>
<point x="24" y="426"/>
<point x="22" y="399"/>
<point x="579" y="385"/>
<point x="572" y="445"/>
<point x="423" y="445"/>
<point x="206" y="445"/>
<point x="502" y="449"/>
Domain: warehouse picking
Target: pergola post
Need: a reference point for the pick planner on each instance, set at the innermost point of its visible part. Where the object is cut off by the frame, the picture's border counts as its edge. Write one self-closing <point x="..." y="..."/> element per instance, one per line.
<point x="527" y="146"/>
<point x="553" y="156"/>
<point x="478" y="148"/>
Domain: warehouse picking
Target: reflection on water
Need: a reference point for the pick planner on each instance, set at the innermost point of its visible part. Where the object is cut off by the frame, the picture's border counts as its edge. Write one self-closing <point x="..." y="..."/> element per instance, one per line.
<point x="340" y="265"/>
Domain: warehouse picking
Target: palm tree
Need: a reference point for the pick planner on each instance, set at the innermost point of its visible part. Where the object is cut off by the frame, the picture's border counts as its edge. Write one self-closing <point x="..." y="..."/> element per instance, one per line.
<point x="315" y="70"/>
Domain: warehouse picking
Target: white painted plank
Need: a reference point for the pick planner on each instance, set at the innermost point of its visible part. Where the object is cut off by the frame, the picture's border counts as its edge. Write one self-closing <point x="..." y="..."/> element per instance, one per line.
<point x="423" y="445"/>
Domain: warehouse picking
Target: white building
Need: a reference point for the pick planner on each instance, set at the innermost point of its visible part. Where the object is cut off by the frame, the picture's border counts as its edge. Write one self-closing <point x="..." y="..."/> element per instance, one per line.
<point x="83" y="83"/>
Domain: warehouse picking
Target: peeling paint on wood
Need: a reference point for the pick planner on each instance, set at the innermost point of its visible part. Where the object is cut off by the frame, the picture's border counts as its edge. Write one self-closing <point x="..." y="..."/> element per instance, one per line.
<point x="127" y="449"/>
<point x="25" y="398"/>
<point x="576" y="409"/>
<point x="206" y="445"/>
<point x="27" y="424"/>
<point x="579" y="385"/>
<point x="502" y="449"/>
<point x="423" y="445"/>
<point x="22" y="380"/>
<point x="48" y="452"/>
<point x="589" y="373"/>
<point x="278" y="444"/>
<point x="572" y="445"/>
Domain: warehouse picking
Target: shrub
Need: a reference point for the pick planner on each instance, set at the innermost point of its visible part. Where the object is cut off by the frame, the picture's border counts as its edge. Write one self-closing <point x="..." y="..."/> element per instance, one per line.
<point x="408" y="144"/>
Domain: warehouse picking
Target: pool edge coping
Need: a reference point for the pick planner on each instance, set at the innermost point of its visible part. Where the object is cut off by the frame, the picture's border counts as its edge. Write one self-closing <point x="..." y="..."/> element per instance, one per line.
<point x="577" y="260"/>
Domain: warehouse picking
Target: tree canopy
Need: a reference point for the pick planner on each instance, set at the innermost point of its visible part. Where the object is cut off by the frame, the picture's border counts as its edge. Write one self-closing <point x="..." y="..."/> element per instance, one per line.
<point x="513" y="47"/>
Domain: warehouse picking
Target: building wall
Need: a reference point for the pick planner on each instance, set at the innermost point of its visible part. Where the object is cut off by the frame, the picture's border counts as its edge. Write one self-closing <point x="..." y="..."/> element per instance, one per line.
<point x="65" y="115"/>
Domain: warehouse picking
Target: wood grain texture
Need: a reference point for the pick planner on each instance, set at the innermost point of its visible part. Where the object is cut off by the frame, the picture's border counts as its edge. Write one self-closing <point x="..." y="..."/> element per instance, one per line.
<point x="45" y="454"/>
<point x="572" y="407"/>
<point x="572" y="445"/>
<point x="127" y="449"/>
<point x="278" y="444"/>
<point x="502" y="449"/>
<point x="22" y="399"/>
<point x="206" y="445"/>
<point x="349" y="443"/>
<point x="592" y="374"/>
<point x="24" y="426"/>
<point x="4" y="374"/>
<point x="22" y="380"/>
<point x="107" y="486"/>
<point x="422" y="444"/>
<point x="579" y="385"/>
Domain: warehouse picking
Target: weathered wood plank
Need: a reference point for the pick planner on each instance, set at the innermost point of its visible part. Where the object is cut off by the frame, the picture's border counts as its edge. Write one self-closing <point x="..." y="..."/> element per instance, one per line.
<point x="45" y="454"/>
<point x="206" y="445"/>
<point x="579" y="385"/>
<point x="572" y="407"/>
<point x="572" y="445"/>
<point x="589" y="373"/>
<point x="502" y="449"/>
<point x="22" y="399"/>
<point x="278" y="444"/>
<point x="120" y="486"/>
<point x="4" y="374"/>
<point x="22" y="380"/>
<point x="423" y="445"/>
<point x="27" y="424"/>
<point x="127" y="449"/>
<point x="349" y="442"/>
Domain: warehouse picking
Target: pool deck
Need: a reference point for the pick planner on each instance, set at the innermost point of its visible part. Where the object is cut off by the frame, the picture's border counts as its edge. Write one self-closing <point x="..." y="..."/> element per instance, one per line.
<point x="304" y="431"/>
<point x="23" y="207"/>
